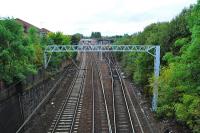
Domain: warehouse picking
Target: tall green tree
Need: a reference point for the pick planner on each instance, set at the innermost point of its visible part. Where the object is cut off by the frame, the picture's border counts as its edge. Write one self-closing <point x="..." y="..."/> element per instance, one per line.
<point x="16" y="54"/>
<point x="35" y="40"/>
<point x="96" y="35"/>
<point x="179" y="93"/>
<point x="179" y="82"/>
<point x="76" y="38"/>
<point x="59" y="38"/>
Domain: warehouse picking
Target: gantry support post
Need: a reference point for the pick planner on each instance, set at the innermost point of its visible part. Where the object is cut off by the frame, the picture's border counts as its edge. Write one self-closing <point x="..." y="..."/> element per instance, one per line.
<point x="101" y="56"/>
<point x="101" y="43"/>
<point x="156" y="73"/>
<point x="45" y="60"/>
<point x="114" y="48"/>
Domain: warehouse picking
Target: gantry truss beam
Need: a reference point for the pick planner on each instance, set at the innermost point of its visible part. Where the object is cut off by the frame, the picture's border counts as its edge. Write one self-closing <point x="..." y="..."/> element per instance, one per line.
<point x="100" y="48"/>
<point x="150" y="49"/>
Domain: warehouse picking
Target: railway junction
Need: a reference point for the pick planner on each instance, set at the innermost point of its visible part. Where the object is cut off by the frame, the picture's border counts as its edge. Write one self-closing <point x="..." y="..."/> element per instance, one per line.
<point x="94" y="96"/>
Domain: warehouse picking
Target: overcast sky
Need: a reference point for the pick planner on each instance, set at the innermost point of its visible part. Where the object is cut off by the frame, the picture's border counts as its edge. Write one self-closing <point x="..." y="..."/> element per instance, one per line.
<point x="110" y="17"/>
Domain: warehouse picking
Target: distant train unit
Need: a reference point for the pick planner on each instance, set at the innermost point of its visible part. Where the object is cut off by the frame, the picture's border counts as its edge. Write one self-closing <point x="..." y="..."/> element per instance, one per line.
<point x="102" y="41"/>
<point x="88" y="42"/>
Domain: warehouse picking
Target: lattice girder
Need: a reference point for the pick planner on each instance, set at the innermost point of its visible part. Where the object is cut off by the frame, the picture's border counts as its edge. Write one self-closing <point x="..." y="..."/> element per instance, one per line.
<point x="150" y="49"/>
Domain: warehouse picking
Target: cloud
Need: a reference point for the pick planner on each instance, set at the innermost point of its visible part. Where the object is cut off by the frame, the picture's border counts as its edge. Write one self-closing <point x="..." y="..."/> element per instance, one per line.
<point x="84" y="16"/>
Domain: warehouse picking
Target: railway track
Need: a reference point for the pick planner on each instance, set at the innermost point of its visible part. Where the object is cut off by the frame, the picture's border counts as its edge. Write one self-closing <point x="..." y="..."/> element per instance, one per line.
<point x="108" y="87"/>
<point x="103" y="102"/>
<point x="122" y="117"/>
<point x="139" y="118"/>
<point x="86" y="117"/>
<point x="93" y="106"/>
<point x="62" y="80"/>
<point x="94" y="115"/>
<point x="71" y="106"/>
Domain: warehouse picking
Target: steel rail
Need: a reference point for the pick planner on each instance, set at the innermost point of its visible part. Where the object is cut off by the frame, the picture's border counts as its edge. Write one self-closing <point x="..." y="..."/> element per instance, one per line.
<point x="124" y="97"/>
<point x="93" y="102"/>
<point x="141" y="111"/>
<point x="113" y="97"/>
<point x="122" y="81"/>
<point x="43" y="101"/>
<point x="135" y="108"/>
<point x="105" y="101"/>
<point x="76" y="108"/>
<point x="67" y="99"/>
<point x="79" y="95"/>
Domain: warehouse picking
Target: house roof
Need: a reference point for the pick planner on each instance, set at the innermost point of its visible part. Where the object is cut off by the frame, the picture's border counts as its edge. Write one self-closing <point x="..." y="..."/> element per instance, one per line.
<point x="44" y="30"/>
<point x="27" y="25"/>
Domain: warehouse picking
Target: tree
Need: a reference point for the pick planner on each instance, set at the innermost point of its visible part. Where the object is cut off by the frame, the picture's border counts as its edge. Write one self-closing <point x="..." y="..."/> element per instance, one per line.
<point x="59" y="38"/>
<point x="76" y="38"/>
<point x="179" y="82"/>
<point x="35" y="41"/>
<point x="96" y="35"/>
<point x="16" y="54"/>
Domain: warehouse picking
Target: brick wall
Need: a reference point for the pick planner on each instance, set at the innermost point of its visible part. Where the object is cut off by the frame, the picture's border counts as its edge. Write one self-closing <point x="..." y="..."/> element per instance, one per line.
<point x="1" y="85"/>
<point x="17" y="102"/>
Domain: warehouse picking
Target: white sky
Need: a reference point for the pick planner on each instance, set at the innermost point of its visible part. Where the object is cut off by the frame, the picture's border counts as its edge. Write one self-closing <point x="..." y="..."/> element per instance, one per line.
<point x="110" y="17"/>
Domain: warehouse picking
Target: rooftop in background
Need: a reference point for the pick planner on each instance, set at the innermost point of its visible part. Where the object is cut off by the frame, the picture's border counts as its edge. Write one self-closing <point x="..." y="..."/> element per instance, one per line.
<point x="44" y="30"/>
<point x="27" y="25"/>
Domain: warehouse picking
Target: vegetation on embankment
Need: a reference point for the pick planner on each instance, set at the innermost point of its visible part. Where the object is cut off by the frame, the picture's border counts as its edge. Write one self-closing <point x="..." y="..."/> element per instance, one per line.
<point x="179" y="82"/>
<point x="21" y="54"/>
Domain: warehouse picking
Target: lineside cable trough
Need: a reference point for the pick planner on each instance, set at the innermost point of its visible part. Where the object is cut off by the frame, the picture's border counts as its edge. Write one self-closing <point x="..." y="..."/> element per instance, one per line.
<point x="153" y="50"/>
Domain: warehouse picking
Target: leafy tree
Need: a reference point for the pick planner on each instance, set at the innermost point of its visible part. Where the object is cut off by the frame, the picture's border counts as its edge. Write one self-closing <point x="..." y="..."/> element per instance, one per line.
<point x="96" y="35"/>
<point x="35" y="40"/>
<point x="179" y="82"/>
<point x="21" y="54"/>
<point x="178" y="28"/>
<point x="33" y="35"/>
<point x="143" y="63"/>
<point x="58" y="38"/>
<point x="76" y="38"/>
<point x="16" y="54"/>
